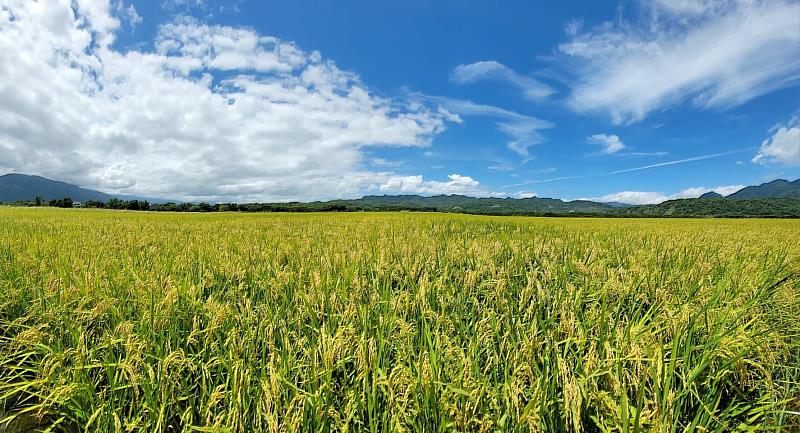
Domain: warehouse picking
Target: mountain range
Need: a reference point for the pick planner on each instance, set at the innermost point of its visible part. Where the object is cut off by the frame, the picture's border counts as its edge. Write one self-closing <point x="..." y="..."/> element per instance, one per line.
<point x="778" y="188"/>
<point x="460" y="203"/>
<point x="22" y="187"/>
<point x="16" y="187"/>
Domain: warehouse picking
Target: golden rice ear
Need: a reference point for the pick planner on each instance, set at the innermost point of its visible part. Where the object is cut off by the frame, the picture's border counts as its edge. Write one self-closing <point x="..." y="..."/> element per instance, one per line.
<point x="395" y="322"/>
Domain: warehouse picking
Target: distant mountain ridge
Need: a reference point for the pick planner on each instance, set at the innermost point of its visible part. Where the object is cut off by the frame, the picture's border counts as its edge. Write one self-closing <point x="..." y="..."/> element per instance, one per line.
<point x="22" y="187"/>
<point x="778" y="188"/>
<point x="460" y="203"/>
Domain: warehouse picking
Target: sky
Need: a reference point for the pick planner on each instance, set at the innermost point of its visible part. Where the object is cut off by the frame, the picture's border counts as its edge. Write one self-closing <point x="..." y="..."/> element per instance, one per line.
<point x="635" y="101"/>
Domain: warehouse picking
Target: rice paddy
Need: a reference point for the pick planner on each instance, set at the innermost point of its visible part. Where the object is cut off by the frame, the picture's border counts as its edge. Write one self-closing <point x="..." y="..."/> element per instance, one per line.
<point x="117" y="321"/>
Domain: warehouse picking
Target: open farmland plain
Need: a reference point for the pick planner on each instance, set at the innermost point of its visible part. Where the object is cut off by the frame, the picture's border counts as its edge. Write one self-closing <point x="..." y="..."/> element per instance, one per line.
<point x="377" y="322"/>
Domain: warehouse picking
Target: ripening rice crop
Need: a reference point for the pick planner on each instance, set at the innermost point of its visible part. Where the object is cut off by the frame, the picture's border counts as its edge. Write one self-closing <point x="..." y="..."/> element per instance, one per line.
<point x="142" y="322"/>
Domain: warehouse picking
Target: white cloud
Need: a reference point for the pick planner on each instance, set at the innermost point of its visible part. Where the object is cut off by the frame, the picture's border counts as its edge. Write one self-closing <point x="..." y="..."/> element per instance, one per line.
<point x="610" y="143"/>
<point x="132" y="16"/>
<point x="678" y="161"/>
<point x="462" y="185"/>
<point x="185" y="4"/>
<point x="632" y="197"/>
<point x="652" y="197"/>
<point x="127" y="14"/>
<point x="98" y="15"/>
<point x="236" y="49"/>
<point x="523" y="130"/>
<point x="700" y="190"/>
<point x="531" y="88"/>
<point x="685" y="8"/>
<point x="645" y="154"/>
<point x="383" y="162"/>
<point x="573" y="27"/>
<point x="524" y="194"/>
<point x="214" y="113"/>
<point x="501" y="166"/>
<point x="712" y="53"/>
<point x="725" y="190"/>
<point x="783" y="147"/>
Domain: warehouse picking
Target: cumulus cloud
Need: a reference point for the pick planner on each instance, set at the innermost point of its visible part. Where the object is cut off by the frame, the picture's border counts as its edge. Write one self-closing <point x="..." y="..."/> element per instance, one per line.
<point x="783" y="147"/>
<point x="609" y="143"/>
<point x="523" y="130"/>
<point x="531" y="88"/>
<point x="632" y="197"/>
<point x="695" y="192"/>
<point x="652" y="197"/>
<point x="711" y="53"/>
<point x="212" y="113"/>
<point x="524" y="194"/>
<point x="457" y="184"/>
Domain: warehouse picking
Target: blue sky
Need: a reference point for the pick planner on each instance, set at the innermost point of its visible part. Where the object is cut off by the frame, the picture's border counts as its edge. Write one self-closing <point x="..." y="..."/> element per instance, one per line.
<point x="255" y="100"/>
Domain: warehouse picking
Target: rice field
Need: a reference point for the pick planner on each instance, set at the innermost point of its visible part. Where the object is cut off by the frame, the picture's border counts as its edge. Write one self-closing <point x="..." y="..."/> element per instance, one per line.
<point x="116" y="321"/>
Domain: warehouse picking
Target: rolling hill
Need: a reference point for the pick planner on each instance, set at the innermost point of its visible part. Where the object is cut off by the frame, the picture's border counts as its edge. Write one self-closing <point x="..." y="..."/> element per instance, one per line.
<point x="718" y="208"/>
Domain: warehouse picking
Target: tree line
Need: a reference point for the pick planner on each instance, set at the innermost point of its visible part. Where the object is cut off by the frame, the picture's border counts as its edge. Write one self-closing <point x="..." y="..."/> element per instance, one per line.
<point x="684" y="208"/>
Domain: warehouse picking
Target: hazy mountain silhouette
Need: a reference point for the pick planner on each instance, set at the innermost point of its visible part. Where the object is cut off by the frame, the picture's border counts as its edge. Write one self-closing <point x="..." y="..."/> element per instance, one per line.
<point x="21" y="187"/>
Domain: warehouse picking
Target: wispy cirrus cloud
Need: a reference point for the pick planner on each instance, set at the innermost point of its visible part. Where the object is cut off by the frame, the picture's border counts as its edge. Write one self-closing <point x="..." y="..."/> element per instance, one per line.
<point x="681" y="161"/>
<point x="644" y="154"/>
<point x="523" y="130"/>
<point x="710" y="53"/>
<point x="633" y="169"/>
<point x="547" y="180"/>
<point x="501" y="166"/>
<point x="531" y="88"/>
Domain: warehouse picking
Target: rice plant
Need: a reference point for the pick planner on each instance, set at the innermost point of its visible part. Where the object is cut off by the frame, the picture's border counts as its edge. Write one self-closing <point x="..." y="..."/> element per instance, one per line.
<point x="389" y="322"/>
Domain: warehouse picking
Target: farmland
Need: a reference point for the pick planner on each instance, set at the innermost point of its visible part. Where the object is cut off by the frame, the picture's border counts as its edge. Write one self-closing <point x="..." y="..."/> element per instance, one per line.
<point x="376" y="322"/>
